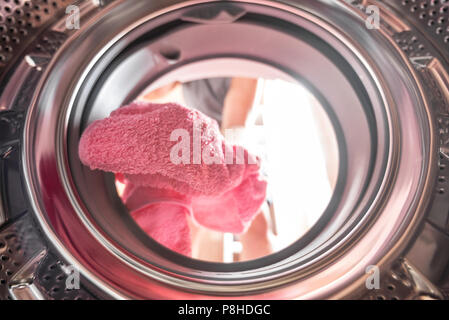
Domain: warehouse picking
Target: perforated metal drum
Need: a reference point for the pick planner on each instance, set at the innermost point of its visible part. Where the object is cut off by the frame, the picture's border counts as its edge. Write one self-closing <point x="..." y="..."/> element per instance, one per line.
<point x="385" y="89"/>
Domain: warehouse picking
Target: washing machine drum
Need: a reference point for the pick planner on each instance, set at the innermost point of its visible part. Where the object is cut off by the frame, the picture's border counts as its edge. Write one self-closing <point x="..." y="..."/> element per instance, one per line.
<point x="376" y="70"/>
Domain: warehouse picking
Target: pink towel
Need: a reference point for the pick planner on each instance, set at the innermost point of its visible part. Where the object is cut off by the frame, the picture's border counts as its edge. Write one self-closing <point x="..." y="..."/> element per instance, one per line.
<point x="135" y="141"/>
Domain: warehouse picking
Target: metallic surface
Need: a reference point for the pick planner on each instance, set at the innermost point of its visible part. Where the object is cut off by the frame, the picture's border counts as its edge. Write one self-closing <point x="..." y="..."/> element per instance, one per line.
<point x="21" y="243"/>
<point x="288" y="269"/>
<point x="372" y="224"/>
<point x="24" y="285"/>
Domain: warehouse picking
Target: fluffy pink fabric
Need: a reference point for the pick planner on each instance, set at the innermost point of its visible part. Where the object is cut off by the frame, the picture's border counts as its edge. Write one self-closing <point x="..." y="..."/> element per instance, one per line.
<point x="162" y="214"/>
<point x="135" y="142"/>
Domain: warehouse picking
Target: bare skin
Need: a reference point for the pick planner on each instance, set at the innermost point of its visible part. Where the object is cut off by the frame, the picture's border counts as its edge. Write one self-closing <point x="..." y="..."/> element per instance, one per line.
<point x="238" y="102"/>
<point x="160" y="92"/>
<point x="237" y="106"/>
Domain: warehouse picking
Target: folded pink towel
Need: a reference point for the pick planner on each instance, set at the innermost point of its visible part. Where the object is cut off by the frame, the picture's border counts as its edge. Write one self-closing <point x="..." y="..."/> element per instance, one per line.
<point x="136" y="141"/>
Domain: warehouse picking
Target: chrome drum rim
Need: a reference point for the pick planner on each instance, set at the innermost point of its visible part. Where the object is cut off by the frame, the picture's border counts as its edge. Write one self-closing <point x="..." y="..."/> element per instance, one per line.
<point x="394" y="207"/>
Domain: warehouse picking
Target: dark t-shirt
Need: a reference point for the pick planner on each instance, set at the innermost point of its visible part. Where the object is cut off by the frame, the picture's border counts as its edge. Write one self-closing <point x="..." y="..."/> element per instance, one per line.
<point x="207" y="95"/>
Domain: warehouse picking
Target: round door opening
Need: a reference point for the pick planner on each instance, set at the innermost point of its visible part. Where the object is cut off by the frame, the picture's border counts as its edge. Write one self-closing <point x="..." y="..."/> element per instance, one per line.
<point x="285" y="126"/>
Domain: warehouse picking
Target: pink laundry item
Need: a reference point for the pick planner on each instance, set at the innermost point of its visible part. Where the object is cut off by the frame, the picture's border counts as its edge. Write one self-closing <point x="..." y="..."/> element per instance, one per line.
<point x="162" y="214"/>
<point x="134" y="142"/>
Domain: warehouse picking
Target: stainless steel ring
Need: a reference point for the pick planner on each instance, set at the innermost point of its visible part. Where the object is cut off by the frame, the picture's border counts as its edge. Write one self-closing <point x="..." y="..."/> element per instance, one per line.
<point x="373" y="93"/>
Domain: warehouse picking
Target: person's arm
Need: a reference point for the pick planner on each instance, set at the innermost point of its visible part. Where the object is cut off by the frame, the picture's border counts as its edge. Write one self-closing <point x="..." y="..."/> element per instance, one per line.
<point x="161" y="92"/>
<point x="237" y="106"/>
<point x="238" y="102"/>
